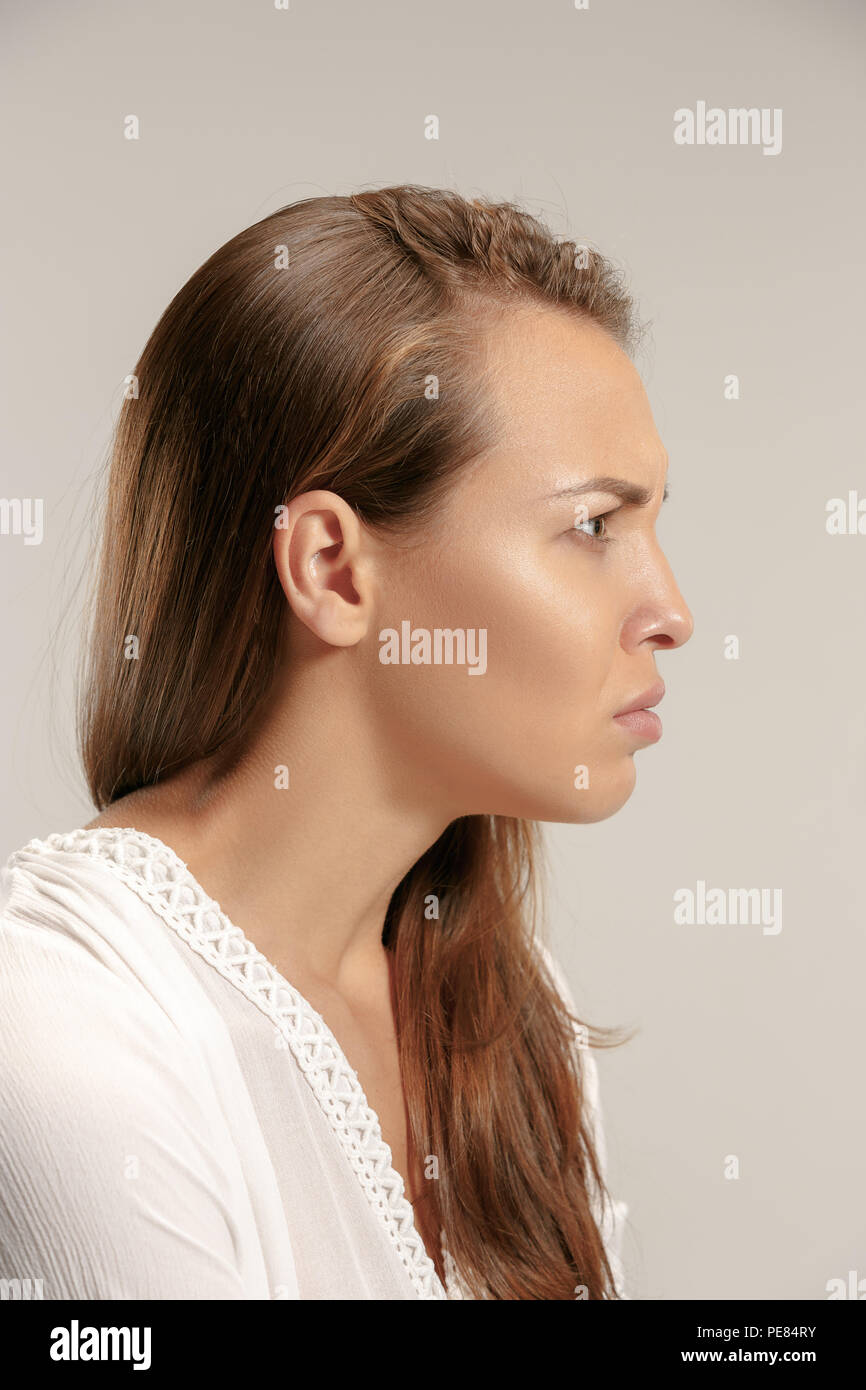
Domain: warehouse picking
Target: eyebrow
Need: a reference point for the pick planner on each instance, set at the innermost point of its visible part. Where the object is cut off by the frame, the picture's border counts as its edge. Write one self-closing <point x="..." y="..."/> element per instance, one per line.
<point x="632" y="493"/>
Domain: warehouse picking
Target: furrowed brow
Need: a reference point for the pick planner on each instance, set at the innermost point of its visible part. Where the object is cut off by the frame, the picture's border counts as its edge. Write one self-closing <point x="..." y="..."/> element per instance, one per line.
<point x="631" y="493"/>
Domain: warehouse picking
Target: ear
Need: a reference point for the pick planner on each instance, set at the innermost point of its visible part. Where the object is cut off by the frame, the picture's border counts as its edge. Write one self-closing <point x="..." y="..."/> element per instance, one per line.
<point x="322" y="555"/>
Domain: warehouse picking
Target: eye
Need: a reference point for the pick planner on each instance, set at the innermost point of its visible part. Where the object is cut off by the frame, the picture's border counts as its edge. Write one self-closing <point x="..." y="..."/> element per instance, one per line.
<point x="587" y="528"/>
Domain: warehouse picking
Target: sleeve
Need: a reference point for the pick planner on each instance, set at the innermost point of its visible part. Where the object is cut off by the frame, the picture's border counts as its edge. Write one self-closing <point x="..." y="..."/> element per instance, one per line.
<point x="111" y="1184"/>
<point x="610" y="1214"/>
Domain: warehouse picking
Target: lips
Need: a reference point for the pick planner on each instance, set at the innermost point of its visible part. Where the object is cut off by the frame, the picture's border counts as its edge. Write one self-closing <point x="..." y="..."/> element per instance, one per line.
<point x="638" y="719"/>
<point x="645" y="701"/>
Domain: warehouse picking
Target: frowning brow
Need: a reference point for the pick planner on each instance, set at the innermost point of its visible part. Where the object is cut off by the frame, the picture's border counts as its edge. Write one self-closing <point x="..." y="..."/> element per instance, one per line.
<point x="632" y="493"/>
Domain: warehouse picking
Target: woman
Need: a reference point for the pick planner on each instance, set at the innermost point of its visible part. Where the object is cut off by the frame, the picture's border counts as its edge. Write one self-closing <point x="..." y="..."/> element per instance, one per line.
<point x="379" y="587"/>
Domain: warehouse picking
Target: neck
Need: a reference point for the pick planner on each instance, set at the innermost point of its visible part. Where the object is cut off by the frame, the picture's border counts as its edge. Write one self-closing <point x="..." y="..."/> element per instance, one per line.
<point x="307" y="869"/>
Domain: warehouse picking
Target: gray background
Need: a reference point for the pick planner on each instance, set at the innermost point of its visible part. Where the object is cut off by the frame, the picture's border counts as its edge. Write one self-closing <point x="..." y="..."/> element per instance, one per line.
<point x="746" y="263"/>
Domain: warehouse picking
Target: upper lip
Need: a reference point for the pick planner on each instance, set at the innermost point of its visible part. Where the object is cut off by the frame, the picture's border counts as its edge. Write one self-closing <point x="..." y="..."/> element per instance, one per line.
<point x="646" y="700"/>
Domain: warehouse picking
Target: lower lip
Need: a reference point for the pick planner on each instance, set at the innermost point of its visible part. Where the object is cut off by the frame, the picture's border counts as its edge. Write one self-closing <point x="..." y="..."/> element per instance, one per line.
<point x="642" y="722"/>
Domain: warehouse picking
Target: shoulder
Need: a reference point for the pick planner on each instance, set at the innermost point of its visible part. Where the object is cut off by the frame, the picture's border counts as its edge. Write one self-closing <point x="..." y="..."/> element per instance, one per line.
<point x="72" y="942"/>
<point x="107" y="1143"/>
<point x="57" y="885"/>
<point x="82" y="900"/>
<point x="94" y="1033"/>
<point x="82" y="1022"/>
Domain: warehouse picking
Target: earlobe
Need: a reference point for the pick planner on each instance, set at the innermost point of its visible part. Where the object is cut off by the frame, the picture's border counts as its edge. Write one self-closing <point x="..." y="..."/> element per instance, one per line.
<point x="319" y="555"/>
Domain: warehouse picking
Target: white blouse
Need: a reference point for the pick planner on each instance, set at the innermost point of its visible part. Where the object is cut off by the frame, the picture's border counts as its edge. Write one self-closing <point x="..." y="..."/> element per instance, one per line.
<point x="176" y="1120"/>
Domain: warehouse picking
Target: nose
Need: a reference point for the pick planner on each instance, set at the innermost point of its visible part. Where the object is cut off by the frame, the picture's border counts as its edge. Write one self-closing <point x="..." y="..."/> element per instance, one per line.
<point x="664" y="620"/>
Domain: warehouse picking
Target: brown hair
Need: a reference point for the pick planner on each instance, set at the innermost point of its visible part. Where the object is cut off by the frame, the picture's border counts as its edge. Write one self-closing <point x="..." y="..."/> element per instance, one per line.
<point x="295" y="358"/>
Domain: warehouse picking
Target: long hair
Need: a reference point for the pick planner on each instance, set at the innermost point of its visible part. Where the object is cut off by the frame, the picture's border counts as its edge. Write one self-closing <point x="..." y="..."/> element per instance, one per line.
<point x="299" y="356"/>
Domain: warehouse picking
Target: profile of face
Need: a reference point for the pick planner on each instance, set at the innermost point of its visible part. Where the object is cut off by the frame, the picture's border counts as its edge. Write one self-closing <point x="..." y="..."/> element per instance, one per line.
<point x="558" y="597"/>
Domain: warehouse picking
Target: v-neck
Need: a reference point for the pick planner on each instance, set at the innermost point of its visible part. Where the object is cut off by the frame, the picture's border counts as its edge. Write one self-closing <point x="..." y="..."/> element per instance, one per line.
<point x="157" y="874"/>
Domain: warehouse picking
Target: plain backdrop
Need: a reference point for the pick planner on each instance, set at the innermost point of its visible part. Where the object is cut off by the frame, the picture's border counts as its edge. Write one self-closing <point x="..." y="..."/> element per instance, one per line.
<point x="749" y="1045"/>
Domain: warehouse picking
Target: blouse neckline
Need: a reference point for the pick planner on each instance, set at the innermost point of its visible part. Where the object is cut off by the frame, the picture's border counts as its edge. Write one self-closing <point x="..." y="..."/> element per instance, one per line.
<point x="154" y="871"/>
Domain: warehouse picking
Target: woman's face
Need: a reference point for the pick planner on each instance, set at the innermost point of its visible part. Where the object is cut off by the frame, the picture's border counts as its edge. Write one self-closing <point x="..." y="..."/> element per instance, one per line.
<point x="572" y="614"/>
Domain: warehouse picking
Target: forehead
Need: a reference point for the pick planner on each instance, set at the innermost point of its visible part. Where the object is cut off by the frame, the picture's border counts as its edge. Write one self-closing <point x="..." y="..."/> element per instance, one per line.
<point x="567" y="397"/>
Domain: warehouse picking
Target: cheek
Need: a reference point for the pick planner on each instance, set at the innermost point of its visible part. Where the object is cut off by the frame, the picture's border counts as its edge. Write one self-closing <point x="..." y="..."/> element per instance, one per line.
<point x="551" y="639"/>
<point x="552" y="633"/>
<point x="509" y="740"/>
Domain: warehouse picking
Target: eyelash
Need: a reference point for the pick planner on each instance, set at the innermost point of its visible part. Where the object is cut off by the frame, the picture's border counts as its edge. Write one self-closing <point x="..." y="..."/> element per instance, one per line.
<point x="603" y="539"/>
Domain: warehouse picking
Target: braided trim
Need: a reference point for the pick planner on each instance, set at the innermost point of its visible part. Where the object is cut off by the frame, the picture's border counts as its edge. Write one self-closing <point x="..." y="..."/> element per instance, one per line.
<point x="161" y="879"/>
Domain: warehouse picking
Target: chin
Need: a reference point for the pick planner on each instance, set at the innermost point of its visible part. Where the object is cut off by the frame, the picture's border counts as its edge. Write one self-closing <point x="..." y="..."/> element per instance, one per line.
<point x="609" y="789"/>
